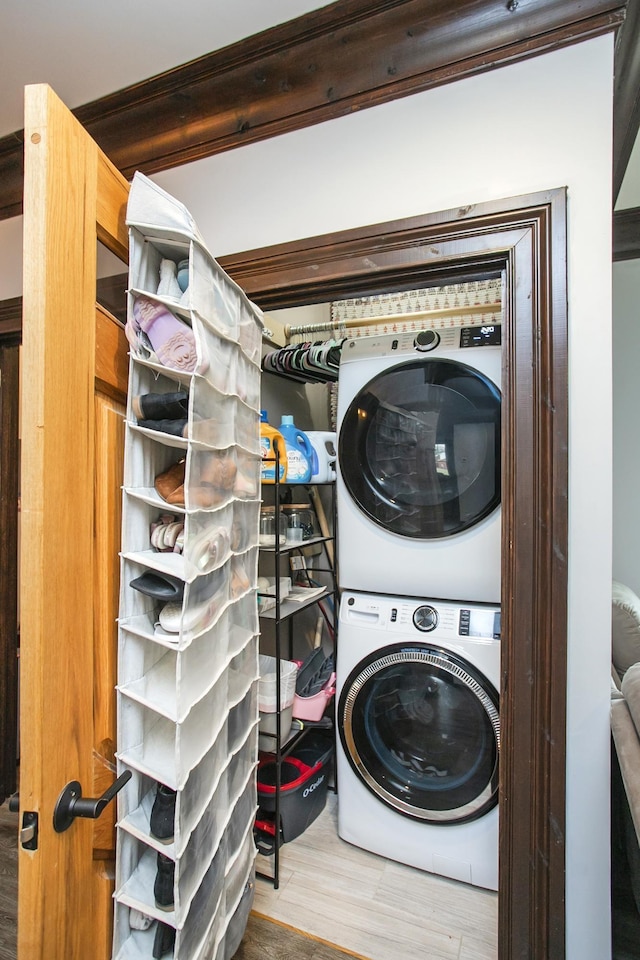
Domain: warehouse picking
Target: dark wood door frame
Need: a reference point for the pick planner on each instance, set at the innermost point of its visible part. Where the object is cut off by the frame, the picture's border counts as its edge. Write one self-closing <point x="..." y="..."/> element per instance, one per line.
<point x="9" y="487"/>
<point x="524" y="240"/>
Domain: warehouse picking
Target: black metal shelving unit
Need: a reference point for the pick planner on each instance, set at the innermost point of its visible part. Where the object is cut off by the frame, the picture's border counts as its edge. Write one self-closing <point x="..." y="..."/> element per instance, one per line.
<point x="283" y="614"/>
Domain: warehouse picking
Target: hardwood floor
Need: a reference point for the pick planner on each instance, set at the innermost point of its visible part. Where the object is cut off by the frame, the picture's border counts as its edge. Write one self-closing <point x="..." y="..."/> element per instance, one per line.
<point x="266" y="939"/>
<point x="8" y="882"/>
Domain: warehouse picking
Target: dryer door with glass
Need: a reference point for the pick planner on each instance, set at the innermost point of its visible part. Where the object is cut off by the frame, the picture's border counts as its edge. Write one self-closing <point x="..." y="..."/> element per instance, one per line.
<point x="419" y="448"/>
<point x="420" y="727"/>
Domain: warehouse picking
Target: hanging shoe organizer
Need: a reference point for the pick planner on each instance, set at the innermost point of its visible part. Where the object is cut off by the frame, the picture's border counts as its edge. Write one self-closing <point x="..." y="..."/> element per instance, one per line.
<point x="188" y="626"/>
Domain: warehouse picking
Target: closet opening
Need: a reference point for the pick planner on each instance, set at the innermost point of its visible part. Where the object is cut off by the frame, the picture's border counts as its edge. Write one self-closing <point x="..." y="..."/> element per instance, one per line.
<point x="522" y="240"/>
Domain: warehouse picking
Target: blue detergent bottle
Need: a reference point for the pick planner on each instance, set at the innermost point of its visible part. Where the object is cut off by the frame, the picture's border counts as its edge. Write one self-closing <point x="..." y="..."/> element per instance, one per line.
<point x="299" y="451"/>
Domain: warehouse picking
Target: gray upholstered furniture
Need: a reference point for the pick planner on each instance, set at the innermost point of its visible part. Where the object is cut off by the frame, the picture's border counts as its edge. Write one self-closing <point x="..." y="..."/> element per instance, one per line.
<point x="625" y="721"/>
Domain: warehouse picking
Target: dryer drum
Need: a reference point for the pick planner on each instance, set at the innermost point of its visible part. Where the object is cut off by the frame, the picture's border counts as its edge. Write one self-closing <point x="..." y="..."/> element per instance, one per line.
<point x="419" y="448"/>
<point x="421" y="729"/>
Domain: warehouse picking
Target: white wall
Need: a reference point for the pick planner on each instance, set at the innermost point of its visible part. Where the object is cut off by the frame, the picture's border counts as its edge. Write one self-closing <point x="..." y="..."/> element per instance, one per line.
<point x="533" y="126"/>
<point x="626" y="429"/>
<point x="11" y="261"/>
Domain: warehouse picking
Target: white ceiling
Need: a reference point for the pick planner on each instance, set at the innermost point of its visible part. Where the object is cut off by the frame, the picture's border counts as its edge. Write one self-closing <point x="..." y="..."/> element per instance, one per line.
<point x="86" y="49"/>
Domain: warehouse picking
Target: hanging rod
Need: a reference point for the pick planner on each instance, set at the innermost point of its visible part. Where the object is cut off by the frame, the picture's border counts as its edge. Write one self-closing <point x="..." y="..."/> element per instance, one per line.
<point x="292" y="331"/>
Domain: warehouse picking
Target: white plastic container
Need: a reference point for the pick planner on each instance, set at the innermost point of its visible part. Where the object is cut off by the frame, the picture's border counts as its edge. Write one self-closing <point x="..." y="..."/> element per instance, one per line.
<point x="267" y="693"/>
<point x="268" y="585"/>
<point x="323" y="460"/>
<point x="267" y="698"/>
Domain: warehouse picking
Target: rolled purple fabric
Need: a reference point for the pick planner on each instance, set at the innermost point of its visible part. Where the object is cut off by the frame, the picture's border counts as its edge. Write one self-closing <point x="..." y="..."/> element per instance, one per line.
<point x="172" y="340"/>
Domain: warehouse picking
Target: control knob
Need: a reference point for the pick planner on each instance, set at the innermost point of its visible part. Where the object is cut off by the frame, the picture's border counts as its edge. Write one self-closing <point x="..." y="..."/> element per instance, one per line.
<point x="425" y="618"/>
<point x="426" y="340"/>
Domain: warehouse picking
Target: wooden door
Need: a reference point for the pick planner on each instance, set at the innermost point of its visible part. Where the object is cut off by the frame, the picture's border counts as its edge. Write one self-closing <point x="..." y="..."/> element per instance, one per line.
<point x="73" y="400"/>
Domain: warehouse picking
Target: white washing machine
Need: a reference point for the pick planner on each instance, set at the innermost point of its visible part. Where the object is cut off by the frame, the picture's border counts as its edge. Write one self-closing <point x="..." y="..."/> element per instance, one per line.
<point x="419" y="464"/>
<point x="419" y="733"/>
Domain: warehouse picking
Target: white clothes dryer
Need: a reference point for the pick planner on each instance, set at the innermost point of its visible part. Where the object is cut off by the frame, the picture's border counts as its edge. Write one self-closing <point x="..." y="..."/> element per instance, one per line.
<point x="419" y="464"/>
<point x="419" y="733"/>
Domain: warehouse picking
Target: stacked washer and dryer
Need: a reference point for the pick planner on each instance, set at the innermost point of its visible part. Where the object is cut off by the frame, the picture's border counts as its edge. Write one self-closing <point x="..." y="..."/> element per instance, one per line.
<point x="418" y="665"/>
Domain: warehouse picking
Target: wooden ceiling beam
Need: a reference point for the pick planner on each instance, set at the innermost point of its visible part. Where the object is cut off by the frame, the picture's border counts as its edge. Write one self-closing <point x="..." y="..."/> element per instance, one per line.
<point x="343" y="57"/>
<point x="626" y="93"/>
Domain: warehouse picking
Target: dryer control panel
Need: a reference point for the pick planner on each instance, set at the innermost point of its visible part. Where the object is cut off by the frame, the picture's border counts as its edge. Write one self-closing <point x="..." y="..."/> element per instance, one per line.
<point x="488" y="335"/>
<point x="429" y="340"/>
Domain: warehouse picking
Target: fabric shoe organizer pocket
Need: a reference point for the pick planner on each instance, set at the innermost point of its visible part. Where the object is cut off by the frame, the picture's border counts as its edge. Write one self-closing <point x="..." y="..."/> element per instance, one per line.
<point x="249" y="335"/>
<point x="212" y="853"/>
<point x="244" y="525"/>
<point x="241" y="716"/>
<point x="146" y="256"/>
<point x="156" y="741"/>
<point x="243" y="573"/>
<point x="199" y="879"/>
<point x="215" y="783"/>
<point x="215" y="903"/>
<point x="174" y="622"/>
<point x="210" y="297"/>
<point x="168" y="540"/>
<point x="232" y="422"/>
<point x="247" y="386"/>
<point x="237" y="922"/>
<point x="162" y="334"/>
<point x="226" y="361"/>
<point x="211" y="477"/>
<point x="214" y="415"/>
<point x="155" y="744"/>
<point x="171" y="681"/>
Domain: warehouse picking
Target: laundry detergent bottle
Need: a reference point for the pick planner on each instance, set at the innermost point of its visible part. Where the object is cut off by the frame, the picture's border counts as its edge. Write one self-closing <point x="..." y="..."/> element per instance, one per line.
<point x="299" y="452"/>
<point x="271" y="443"/>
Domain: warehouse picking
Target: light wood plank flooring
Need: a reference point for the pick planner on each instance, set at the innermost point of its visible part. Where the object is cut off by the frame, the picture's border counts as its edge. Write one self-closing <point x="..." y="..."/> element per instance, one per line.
<point x="332" y="890"/>
<point x="377" y="908"/>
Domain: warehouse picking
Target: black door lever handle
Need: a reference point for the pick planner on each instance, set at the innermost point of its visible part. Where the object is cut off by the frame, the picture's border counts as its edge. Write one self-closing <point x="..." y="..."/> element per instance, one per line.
<point x="71" y="804"/>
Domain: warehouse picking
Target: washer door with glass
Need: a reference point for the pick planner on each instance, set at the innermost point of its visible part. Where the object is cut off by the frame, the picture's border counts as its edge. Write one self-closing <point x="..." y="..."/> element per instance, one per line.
<point x="419" y="448"/>
<point x="421" y="729"/>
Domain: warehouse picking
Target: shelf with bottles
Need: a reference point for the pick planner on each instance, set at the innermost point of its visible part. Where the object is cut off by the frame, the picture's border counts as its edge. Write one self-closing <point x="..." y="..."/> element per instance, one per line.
<point x="296" y="550"/>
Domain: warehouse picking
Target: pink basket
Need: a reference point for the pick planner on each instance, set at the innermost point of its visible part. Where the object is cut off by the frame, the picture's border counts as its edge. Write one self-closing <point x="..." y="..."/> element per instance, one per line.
<point x="312" y="708"/>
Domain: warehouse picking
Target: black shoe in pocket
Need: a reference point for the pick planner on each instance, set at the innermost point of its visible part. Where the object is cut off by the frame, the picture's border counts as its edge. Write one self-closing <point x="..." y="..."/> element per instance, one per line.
<point x="160" y="586"/>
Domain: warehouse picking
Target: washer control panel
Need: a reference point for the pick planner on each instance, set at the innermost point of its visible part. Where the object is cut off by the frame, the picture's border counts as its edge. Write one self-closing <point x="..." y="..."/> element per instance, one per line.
<point x="479" y="622"/>
<point x="405" y="615"/>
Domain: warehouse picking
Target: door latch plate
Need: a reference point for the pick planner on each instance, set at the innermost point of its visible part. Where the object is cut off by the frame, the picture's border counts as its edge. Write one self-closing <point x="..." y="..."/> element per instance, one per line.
<point x="29" y="830"/>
